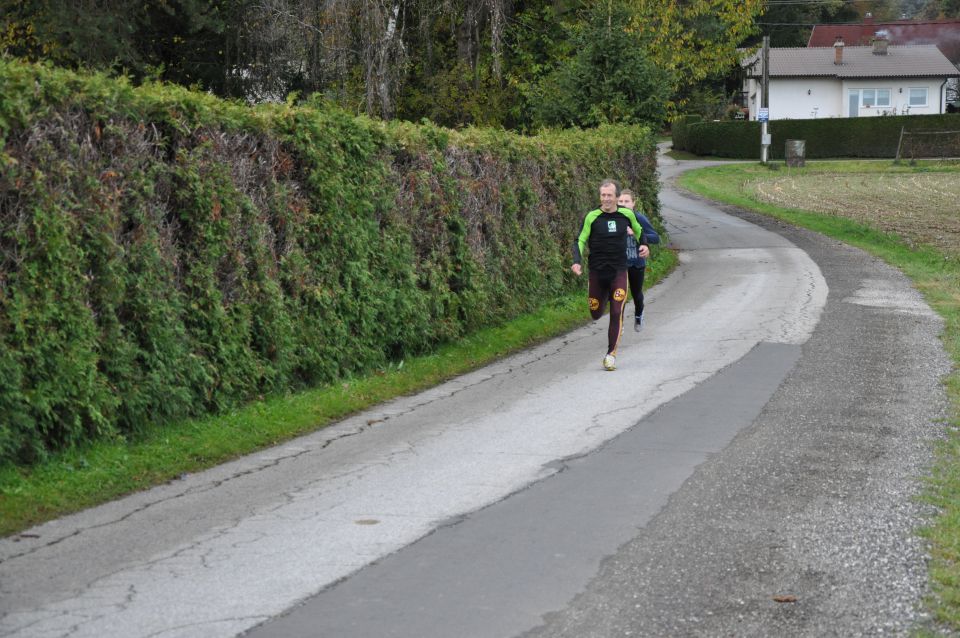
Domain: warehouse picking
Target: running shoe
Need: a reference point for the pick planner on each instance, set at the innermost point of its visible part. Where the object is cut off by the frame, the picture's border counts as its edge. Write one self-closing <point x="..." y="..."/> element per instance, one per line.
<point x="638" y="323"/>
<point x="609" y="362"/>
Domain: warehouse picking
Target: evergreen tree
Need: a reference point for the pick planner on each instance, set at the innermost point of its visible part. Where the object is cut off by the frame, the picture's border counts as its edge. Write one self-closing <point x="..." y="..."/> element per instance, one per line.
<point x="608" y="79"/>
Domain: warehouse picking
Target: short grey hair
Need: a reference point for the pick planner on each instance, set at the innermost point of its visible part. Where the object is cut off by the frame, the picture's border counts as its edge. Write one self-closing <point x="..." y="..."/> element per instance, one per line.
<point x="610" y="182"/>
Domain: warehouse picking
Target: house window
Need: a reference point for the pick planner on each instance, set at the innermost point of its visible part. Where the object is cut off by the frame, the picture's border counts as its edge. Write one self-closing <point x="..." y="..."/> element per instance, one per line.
<point x="875" y="97"/>
<point x="918" y="97"/>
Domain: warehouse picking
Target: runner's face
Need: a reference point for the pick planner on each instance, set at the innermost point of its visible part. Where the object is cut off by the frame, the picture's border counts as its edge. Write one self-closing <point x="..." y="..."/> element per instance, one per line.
<point x="626" y="201"/>
<point x="608" y="198"/>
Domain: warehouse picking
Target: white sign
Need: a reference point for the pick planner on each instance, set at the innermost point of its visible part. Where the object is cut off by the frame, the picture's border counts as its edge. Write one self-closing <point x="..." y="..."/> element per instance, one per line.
<point x="765" y="140"/>
<point x="763" y="114"/>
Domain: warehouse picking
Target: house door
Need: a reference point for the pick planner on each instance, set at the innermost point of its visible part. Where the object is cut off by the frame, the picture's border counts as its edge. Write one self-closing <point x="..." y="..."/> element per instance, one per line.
<point x="853" y="99"/>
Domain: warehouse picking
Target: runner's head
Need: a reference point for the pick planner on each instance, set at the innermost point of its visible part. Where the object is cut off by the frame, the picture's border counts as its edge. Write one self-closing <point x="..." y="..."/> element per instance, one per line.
<point x="609" y="190"/>
<point x="626" y="199"/>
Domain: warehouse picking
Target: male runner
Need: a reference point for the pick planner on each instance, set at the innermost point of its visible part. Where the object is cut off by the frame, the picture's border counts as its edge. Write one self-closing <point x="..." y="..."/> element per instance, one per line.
<point x="604" y="231"/>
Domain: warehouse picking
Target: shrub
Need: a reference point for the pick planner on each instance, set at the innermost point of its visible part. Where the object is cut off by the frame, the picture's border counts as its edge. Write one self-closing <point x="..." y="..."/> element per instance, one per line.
<point x="825" y="138"/>
<point x="165" y="254"/>
<point x="680" y="131"/>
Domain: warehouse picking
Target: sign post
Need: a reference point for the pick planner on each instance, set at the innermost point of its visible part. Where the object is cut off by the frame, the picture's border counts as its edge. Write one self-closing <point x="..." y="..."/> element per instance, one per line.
<point x="763" y="115"/>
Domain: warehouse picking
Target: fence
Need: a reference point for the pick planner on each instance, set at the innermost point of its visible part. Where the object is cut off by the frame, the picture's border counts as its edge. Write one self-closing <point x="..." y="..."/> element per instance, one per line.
<point x="927" y="144"/>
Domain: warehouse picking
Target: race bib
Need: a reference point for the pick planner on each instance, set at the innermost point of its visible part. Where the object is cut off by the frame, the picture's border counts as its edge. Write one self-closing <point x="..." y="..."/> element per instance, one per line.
<point x="612" y="226"/>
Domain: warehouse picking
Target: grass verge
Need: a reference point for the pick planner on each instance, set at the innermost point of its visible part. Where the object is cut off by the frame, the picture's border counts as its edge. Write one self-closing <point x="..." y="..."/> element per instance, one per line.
<point x="936" y="273"/>
<point x="684" y="155"/>
<point x="88" y="476"/>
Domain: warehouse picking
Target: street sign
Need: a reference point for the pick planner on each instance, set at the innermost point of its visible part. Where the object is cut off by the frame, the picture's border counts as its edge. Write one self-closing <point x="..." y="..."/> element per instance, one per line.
<point x="763" y="114"/>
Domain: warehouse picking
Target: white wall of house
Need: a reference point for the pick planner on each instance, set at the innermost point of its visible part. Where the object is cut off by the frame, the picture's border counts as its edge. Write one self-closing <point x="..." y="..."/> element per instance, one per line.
<point x="805" y="99"/>
<point x="810" y="98"/>
<point x="798" y="99"/>
<point x="752" y="88"/>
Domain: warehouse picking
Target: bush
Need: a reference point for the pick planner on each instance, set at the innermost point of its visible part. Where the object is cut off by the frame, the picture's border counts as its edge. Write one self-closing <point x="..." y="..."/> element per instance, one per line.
<point x="165" y="254"/>
<point x="680" y="131"/>
<point x="825" y="138"/>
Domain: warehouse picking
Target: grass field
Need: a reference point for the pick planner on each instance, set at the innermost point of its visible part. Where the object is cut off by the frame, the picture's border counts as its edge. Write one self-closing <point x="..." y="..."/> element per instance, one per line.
<point x="910" y="217"/>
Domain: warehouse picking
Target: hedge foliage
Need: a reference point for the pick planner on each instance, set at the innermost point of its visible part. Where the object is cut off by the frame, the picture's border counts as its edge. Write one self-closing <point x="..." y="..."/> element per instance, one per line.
<point x="680" y="131"/>
<point x="825" y="138"/>
<point x="165" y="254"/>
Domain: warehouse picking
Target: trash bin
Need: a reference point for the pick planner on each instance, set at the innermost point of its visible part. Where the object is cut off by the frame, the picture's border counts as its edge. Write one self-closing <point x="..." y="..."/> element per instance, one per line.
<point x="795" y="153"/>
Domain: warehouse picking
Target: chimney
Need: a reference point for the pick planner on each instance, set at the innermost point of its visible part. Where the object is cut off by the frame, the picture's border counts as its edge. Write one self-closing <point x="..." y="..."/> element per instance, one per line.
<point x="838" y="51"/>
<point x="880" y="43"/>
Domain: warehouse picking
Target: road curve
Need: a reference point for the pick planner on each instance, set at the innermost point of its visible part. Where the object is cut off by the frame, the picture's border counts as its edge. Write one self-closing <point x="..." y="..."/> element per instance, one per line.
<point x="488" y="505"/>
<point x="806" y="524"/>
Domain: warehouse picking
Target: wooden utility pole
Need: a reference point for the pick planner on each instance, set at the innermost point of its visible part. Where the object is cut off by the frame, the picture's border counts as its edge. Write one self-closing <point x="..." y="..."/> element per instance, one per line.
<point x="766" y="71"/>
<point x="765" y="102"/>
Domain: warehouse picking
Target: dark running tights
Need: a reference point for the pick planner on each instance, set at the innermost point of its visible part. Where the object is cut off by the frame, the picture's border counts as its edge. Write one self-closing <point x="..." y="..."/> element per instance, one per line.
<point x="635" y="275"/>
<point x="612" y="287"/>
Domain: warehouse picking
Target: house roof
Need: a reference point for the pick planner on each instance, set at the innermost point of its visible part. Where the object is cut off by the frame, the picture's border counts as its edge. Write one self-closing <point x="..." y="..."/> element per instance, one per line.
<point x="858" y="62"/>
<point x="945" y="34"/>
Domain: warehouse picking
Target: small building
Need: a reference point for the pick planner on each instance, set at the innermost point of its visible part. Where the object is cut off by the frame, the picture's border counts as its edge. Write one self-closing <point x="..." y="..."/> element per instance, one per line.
<point x="850" y="81"/>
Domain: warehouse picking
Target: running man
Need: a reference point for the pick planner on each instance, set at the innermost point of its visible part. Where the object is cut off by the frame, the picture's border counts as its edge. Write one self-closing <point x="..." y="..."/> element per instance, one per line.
<point x="636" y="265"/>
<point x="604" y="231"/>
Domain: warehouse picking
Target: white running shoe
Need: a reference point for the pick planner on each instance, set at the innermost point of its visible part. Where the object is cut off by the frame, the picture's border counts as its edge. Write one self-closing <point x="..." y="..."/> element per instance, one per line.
<point x="609" y="362"/>
<point x="638" y="323"/>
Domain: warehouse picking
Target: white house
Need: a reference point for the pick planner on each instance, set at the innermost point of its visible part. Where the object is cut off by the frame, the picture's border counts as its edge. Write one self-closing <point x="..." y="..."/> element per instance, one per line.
<point x="850" y="81"/>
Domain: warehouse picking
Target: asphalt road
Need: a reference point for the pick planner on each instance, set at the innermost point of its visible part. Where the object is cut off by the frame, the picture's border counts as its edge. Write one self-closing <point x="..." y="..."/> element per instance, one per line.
<point x="762" y="437"/>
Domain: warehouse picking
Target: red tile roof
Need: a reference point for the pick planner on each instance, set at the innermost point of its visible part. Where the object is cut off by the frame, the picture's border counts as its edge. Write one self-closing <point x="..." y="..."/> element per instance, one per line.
<point x="943" y="33"/>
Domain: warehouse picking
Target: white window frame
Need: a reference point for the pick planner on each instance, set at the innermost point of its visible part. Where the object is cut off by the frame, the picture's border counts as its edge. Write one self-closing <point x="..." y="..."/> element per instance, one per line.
<point x="926" y="96"/>
<point x="875" y="96"/>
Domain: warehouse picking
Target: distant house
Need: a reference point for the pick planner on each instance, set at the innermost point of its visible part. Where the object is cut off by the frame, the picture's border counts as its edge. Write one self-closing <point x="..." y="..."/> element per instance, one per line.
<point x="850" y="81"/>
<point x="944" y="34"/>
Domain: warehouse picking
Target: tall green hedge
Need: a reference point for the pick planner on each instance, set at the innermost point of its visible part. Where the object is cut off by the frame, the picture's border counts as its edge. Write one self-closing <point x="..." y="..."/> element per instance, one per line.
<point x="680" y="131"/>
<point x="825" y="138"/>
<point x="165" y="254"/>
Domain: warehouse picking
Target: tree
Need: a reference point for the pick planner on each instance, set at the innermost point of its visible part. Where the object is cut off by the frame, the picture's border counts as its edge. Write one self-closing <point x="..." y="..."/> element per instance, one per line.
<point x="790" y="24"/>
<point x="181" y="41"/>
<point x="455" y="74"/>
<point x="458" y="62"/>
<point x="87" y="32"/>
<point x="693" y="39"/>
<point x="188" y="42"/>
<point x="934" y="9"/>
<point x="374" y="55"/>
<point x="609" y="79"/>
<point x="911" y="9"/>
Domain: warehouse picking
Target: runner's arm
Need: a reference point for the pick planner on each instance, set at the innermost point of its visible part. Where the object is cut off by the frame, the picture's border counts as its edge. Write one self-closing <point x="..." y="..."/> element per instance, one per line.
<point x="580" y="243"/>
<point x="638" y="231"/>
<point x="651" y="233"/>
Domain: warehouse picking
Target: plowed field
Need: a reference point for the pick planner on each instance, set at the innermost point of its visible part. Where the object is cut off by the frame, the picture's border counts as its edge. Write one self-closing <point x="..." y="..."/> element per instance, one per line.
<point x="919" y="207"/>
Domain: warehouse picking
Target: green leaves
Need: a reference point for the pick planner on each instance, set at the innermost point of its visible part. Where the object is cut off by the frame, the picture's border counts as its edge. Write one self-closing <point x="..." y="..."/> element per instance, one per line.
<point x="164" y="254"/>
<point x="608" y="79"/>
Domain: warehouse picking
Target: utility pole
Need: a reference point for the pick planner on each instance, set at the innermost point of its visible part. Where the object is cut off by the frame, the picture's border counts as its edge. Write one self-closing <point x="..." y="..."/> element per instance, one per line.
<point x="765" y="102"/>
